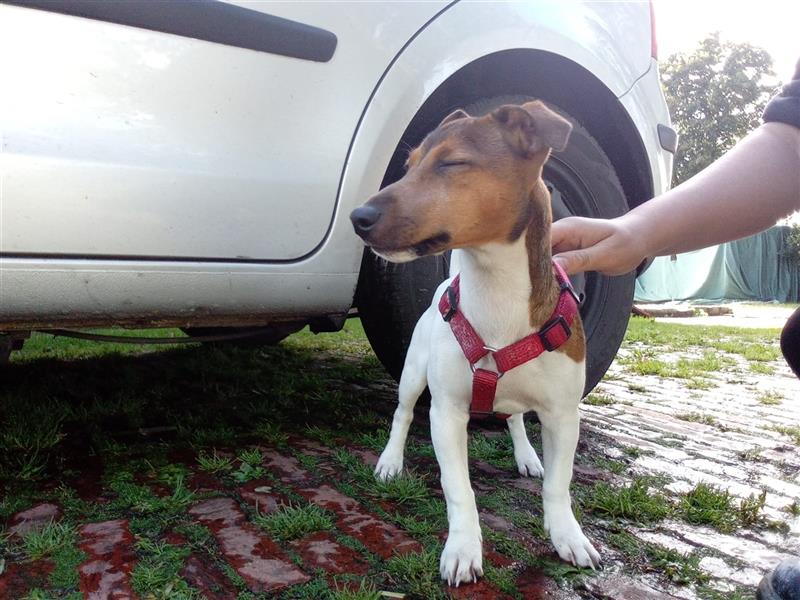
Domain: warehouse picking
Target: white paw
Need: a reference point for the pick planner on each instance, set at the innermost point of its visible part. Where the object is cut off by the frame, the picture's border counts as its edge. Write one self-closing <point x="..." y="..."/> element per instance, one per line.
<point x="569" y="541"/>
<point x="462" y="559"/>
<point x="390" y="465"/>
<point x="528" y="463"/>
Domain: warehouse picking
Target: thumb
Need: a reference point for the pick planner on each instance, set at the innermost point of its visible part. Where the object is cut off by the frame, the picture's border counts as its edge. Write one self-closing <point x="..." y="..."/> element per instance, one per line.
<point x="574" y="261"/>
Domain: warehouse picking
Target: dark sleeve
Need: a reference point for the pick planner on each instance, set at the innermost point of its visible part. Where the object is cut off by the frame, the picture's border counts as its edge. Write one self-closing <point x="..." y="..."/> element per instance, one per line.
<point x="785" y="107"/>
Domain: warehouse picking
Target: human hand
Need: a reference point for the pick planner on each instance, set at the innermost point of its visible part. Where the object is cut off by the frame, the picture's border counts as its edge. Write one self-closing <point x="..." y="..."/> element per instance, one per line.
<point x="605" y="245"/>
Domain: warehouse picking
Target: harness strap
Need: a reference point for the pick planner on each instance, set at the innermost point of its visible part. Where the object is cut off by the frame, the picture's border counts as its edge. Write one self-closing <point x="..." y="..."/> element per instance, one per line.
<point x="555" y="332"/>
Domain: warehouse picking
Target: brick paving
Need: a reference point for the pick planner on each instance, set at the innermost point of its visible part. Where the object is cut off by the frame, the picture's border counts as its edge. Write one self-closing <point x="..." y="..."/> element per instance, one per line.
<point x="737" y="446"/>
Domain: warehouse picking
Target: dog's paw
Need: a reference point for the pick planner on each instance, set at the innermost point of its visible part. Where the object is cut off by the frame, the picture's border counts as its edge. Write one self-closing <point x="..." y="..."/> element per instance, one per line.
<point x="528" y="463"/>
<point x="390" y="465"/>
<point x="462" y="560"/>
<point x="570" y="543"/>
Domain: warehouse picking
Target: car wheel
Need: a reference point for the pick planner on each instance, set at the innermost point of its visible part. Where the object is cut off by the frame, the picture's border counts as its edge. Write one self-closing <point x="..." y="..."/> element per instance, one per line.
<point x="391" y="297"/>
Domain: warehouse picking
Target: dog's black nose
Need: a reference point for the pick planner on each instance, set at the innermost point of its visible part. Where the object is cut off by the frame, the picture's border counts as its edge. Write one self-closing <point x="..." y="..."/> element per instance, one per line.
<point x="364" y="218"/>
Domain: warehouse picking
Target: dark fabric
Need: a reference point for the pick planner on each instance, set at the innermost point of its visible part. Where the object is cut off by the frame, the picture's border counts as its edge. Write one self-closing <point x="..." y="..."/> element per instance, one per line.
<point x="790" y="342"/>
<point x="785" y="107"/>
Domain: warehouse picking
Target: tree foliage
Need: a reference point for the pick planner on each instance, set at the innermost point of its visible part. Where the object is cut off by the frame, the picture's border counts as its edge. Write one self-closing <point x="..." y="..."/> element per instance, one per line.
<point x="716" y="96"/>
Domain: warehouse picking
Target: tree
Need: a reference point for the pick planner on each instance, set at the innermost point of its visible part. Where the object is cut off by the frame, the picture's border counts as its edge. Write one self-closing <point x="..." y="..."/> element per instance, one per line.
<point x="716" y="96"/>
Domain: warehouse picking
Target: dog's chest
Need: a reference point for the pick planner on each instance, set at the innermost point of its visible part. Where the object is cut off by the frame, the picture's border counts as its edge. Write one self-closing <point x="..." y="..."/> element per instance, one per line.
<point x="549" y="380"/>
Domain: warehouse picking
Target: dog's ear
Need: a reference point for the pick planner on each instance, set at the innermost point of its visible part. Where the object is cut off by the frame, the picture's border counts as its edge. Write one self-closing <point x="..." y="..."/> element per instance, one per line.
<point x="533" y="127"/>
<point x="454" y="116"/>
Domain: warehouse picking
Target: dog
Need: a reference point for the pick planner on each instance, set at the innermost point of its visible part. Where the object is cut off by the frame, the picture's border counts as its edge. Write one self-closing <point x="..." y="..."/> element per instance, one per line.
<point x="474" y="186"/>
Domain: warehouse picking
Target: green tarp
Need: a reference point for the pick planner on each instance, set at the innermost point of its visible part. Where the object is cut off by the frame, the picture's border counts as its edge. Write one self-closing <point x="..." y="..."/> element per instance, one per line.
<point x="753" y="268"/>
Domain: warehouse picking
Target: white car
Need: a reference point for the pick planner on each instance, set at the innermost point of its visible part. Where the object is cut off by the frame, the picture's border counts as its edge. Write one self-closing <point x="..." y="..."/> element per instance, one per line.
<point x="193" y="164"/>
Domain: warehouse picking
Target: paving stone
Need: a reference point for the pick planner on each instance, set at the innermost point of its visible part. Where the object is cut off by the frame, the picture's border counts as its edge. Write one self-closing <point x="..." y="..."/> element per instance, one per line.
<point x="532" y="584"/>
<point x="33" y="518"/>
<point x="481" y="590"/>
<point x="255" y="557"/>
<point x="105" y="574"/>
<point x="381" y="538"/>
<point x="619" y="587"/>
<point x="321" y="551"/>
<point x="260" y="495"/>
<point x="204" y="576"/>
<point x="19" y="578"/>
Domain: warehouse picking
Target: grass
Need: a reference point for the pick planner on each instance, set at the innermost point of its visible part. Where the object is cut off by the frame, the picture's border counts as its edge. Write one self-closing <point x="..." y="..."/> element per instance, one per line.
<point x="417" y="574"/>
<point x="213" y="404"/>
<point x="293" y="522"/>
<point x="39" y="543"/>
<point x="770" y="398"/>
<point x="599" y="400"/>
<point x="695" y="417"/>
<point x="709" y="505"/>
<point x="632" y="502"/>
<point x="157" y="572"/>
<point x="790" y="430"/>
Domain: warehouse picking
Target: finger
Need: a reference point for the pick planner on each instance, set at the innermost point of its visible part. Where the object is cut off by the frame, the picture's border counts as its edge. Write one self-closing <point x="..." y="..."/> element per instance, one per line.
<point x="575" y="261"/>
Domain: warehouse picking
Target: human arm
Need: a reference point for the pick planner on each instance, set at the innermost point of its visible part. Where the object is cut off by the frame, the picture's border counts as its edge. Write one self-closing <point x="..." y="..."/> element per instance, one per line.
<point x="744" y="192"/>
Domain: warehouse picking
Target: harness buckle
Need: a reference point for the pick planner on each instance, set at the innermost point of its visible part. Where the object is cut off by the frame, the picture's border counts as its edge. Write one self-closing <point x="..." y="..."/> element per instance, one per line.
<point x="544" y="333"/>
<point x="566" y="286"/>
<point x="453" y="304"/>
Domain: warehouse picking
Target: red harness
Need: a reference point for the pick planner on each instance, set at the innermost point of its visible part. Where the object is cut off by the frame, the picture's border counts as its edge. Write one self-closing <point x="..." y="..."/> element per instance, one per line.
<point x="555" y="332"/>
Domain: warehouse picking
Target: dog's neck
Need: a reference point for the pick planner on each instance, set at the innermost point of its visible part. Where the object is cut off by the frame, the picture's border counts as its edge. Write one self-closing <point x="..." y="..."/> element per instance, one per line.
<point x="508" y="288"/>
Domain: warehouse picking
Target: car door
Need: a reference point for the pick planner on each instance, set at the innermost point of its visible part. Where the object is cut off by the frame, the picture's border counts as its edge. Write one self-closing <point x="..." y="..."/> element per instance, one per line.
<point x="138" y="132"/>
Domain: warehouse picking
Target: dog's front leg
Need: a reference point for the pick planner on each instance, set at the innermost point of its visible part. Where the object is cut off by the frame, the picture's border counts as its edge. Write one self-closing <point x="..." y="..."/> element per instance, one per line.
<point x="461" y="559"/>
<point x="559" y="439"/>
<point x="412" y="383"/>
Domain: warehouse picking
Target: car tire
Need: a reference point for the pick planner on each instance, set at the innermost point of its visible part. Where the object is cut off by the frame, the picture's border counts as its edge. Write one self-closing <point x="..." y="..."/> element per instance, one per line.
<point x="391" y="297"/>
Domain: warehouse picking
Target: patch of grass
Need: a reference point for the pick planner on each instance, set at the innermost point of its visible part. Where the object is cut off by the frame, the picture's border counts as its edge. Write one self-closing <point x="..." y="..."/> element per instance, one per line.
<point x="612" y="466"/>
<point x="249" y="466"/>
<point x="365" y="591"/>
<point x="503" y="578"/>
<point x="416" y="526"/>
<point x="699" y="383"/>
<point x="214" y="463"/>
<point x="633" y="502"/>
<point x="635" y="387"/>
<point x="679" y="568"/>
<point x="770" y="398"/>
<point x="293" y="522"/>
<point x="417" y="574"/>
<point x="792" y="431"/>
<point x="39" y="543"/>
<point x="761" y="368"/>
<point x="374" y="440"/>
<point x="66" y="560"/>
<point x="709" y="505"/>
<point x="408" y="487"/>
<point x="793" y="508"/>
<point x="599" y="400"/>
<point x="695" y="417"/>
<point x="157" y="572"/>
<point x="496" y="450"/>
<point x="271" y="433"/>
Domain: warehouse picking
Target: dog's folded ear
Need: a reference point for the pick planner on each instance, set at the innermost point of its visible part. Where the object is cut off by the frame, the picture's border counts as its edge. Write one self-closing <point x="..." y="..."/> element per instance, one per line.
<point x="454" y="116"/>
<point x="532" y="127"/>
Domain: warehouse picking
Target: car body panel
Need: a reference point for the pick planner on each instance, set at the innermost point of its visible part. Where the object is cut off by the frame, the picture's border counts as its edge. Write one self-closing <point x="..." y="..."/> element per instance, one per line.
<point x="610" y="41"/>
<point x="120" y="141"/>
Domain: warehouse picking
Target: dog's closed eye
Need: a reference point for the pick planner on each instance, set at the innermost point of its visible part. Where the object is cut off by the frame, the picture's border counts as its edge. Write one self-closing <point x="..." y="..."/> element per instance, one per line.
<point x="450" y="164"/>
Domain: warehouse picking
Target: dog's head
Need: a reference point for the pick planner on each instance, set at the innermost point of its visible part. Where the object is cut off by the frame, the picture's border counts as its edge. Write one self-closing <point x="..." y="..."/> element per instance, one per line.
<point x="469" y="183"/>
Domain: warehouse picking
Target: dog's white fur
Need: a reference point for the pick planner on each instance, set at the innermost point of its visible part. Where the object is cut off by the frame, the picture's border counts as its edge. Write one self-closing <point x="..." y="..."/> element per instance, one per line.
<point x="495" y="293"/>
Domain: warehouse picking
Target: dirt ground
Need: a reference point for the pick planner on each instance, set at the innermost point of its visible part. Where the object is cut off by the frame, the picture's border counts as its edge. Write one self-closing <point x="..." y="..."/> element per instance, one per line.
<point x="246" y="473"/>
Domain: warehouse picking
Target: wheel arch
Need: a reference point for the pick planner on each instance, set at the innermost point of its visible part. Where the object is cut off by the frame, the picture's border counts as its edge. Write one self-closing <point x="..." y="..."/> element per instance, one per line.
<point x="551" y="78"/>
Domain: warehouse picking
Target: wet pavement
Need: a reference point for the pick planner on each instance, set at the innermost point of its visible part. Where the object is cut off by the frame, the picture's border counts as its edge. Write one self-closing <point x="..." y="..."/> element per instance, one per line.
<point x="739" y="434"/>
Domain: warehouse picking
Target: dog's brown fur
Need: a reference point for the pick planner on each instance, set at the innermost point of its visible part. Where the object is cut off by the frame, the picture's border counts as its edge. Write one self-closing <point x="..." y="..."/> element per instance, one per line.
<point x="463" y="188"/>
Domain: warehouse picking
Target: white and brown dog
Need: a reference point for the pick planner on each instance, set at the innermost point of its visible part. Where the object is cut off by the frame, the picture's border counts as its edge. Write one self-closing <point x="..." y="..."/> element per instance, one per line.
<point x="474" y="184"/>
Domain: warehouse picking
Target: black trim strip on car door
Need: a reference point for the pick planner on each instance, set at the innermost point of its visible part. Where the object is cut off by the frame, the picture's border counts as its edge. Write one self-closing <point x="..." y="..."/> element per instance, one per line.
<point x="209" y="20"/>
